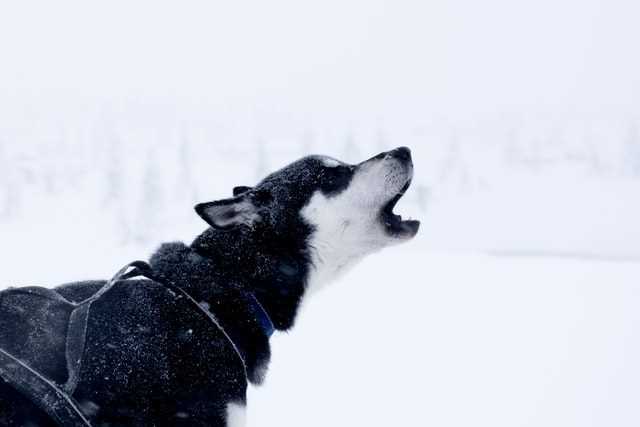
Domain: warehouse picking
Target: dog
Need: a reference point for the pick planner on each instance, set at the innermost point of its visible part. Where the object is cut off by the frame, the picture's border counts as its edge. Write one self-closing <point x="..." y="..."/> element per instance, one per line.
<point x="149" y="359"/>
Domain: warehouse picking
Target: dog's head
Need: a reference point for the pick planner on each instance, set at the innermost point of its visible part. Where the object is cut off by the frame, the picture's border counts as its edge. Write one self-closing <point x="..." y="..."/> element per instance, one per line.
<point x="337" y="212"/>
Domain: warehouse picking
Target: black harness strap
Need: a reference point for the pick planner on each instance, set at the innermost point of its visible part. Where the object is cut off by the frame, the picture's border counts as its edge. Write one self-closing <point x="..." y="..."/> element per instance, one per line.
<point x="55" y="402"/>
<point x="144" y="269"/>
<point x="77" y="329"/>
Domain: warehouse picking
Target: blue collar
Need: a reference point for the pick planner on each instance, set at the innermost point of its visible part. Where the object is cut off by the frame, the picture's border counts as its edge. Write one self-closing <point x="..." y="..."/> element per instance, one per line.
<point x="261" y="315"/>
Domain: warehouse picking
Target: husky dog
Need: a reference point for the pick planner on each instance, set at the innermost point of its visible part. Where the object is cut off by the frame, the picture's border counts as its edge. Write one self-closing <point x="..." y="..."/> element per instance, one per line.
<point x="148" y="363"/>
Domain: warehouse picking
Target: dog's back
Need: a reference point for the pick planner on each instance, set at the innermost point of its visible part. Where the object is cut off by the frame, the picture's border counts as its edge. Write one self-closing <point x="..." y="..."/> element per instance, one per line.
<point x="149" y="359"/>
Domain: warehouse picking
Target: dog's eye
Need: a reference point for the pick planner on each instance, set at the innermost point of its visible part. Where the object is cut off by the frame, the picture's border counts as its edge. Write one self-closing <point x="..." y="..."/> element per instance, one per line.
<point x="336" y="179"/>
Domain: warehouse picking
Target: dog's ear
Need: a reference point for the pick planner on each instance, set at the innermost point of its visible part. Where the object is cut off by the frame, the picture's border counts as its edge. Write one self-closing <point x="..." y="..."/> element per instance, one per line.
<point x="240" y="189"/>
<point x="229" y="213"/>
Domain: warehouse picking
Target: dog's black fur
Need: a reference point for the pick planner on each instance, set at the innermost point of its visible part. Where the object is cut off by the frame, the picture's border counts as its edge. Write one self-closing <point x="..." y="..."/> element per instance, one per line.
<point x="150" y="362"/>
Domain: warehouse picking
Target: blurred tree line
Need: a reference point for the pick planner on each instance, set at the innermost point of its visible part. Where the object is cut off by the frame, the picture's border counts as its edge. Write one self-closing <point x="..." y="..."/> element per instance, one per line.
<point x="140" y="179"/>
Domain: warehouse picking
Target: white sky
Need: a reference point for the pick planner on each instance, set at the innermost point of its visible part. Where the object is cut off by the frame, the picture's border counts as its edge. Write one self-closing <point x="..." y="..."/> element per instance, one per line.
<point x="374" y="56"/>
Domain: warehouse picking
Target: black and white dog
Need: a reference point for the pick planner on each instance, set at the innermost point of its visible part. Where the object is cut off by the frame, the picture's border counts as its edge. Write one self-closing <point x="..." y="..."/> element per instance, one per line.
<point x="268" y="248"/>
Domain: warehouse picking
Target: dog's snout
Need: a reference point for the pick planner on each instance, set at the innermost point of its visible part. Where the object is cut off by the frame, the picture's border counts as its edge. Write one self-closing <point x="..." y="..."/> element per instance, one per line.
<point x="402" y="153"/>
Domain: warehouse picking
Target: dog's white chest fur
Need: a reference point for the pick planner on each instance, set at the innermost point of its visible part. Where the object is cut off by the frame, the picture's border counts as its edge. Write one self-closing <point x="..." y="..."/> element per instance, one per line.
<point x="236" y="415"/>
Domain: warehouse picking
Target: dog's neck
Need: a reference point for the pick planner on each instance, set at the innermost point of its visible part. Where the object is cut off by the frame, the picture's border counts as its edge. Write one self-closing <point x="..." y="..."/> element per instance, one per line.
<point x="239" y="312"/>
<point x="249" y="284"/>
<point x="275" y="271"/>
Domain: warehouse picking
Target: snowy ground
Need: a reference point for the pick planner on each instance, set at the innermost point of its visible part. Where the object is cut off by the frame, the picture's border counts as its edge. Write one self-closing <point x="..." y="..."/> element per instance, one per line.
<point x="412" y="336"/>
<point x="416" y="338"/>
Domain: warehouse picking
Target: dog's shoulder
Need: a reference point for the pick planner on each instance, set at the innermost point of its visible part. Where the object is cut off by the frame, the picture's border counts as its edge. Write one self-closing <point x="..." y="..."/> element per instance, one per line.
<point x="175" y="350"/>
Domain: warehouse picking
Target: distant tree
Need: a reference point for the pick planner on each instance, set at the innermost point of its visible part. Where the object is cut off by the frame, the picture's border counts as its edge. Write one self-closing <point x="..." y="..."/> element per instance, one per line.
<point x="12" y="180"/>
<point x="423" y="195"/>
<point x="455" y="170"/>
<point x="113" y="167"/>
<point x="13" y="196"/>
<point x="50" y="170"/>
<point x="350" y="152"/>
<point x="150" y="203"/>
<point x="382" y="142"/>
<point x="307" y="142"/>
<point x="6" y="202"/>
<point x="262" y="162"/>
<point x="633" y="149"/>
<point x="513" y="151"/>
<point x="592" y="154"/>
<point x="186" y="185"/>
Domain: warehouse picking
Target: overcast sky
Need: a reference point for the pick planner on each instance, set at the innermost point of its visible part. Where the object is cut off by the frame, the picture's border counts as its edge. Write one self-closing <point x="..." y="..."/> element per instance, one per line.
<point x="369" y="56"/>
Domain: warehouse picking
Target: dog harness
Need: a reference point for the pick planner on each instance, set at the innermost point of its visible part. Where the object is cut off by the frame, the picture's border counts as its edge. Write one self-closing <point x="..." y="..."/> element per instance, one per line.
<point x="54" y="399"/>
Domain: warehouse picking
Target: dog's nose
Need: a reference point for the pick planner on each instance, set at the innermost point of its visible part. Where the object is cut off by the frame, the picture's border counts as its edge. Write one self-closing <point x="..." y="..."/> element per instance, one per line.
<point x="401" y="153"/>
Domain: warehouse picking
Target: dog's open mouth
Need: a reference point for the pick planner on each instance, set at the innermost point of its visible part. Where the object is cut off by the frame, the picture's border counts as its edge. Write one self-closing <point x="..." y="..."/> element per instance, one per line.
<point x="394" y="224"/>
